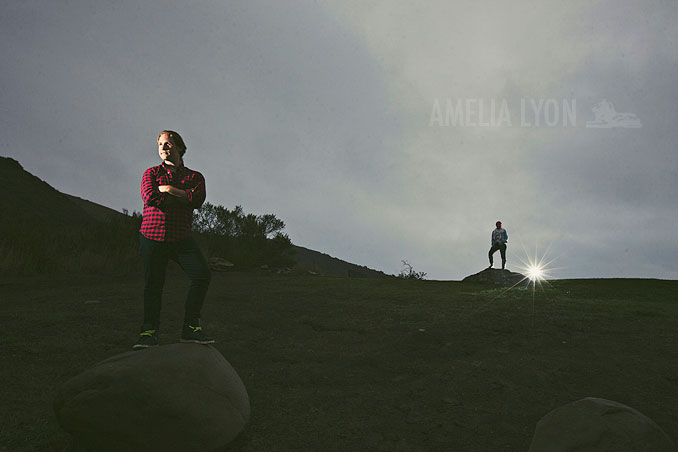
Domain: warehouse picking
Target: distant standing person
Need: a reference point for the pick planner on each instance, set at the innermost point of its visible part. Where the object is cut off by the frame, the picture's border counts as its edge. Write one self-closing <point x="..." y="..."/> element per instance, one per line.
<point x="499" y="239"/>
<point x="170" y="192"/>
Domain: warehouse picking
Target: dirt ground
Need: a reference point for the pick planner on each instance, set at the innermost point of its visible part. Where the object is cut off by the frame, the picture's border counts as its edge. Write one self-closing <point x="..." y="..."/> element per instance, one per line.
<point x="339" y="364"/>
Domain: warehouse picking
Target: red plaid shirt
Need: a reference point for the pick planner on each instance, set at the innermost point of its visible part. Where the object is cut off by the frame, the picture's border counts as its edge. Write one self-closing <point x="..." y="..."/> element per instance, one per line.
<point x="164" y="219"/>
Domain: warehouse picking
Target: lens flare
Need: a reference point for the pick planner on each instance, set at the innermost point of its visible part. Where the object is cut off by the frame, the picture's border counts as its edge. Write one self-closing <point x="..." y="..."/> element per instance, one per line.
<point x="536" y="269"/>
<point x="536" y="273"/>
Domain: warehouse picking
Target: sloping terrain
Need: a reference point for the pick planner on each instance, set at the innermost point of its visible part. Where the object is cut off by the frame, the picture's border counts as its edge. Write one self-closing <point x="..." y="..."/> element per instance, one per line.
<point x="94" y="210"/>
<point x="28" y="199"/>
<point x="325" y="264"/>
<point x="29" y="202"/>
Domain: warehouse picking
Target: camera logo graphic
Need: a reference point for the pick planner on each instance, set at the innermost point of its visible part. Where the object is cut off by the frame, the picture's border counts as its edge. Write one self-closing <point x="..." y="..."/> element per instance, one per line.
<point x="607" y="117"/>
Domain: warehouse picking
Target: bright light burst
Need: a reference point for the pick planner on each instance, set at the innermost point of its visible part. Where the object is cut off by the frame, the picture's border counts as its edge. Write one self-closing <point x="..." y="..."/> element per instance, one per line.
<point x="536" y="269"/>
<point x="535" y="273"/>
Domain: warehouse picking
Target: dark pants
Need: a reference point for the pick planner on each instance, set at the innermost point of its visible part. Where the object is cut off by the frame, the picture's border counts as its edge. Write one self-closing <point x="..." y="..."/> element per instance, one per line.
<point x="502" y="249"/>
<point x="187" y="254"/>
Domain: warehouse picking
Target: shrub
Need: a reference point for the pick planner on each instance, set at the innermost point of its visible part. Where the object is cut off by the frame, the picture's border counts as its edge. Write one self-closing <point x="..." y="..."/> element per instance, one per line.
<point x="247" y="240"/>
<point x="409" y="273"/>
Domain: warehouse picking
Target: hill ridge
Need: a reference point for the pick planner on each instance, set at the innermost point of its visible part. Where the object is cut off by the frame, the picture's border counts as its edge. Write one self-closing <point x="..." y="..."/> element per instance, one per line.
<point x="29" y="199"/>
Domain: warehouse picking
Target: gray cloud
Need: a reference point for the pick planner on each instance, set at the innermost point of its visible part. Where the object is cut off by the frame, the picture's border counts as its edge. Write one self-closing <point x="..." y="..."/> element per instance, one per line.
<point x="319" y="112"/>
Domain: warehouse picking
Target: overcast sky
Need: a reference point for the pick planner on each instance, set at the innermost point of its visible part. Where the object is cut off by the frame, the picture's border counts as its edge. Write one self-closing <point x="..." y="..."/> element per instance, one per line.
<point x="333" y="116"/>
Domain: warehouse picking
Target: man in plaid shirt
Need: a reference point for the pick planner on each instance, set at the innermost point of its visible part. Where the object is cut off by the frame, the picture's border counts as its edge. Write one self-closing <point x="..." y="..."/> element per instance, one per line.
<point x="499" y="239"/>
<point x="170" y="192"/>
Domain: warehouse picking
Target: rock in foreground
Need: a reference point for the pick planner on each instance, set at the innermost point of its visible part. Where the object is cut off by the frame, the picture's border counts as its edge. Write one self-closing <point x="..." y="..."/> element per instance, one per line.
<point x="178" y="397"/>
<point x="497" y="277"/>
<point x="599" y="425"/>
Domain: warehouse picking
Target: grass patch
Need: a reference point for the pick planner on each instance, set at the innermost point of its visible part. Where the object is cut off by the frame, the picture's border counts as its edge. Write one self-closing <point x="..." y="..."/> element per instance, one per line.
<point x="338" y="364"/>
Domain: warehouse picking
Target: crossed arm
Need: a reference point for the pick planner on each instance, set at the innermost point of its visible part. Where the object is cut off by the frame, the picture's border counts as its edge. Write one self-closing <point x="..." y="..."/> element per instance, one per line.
<point x="192" y="197"/>
<point x="177" y="194"/>
<point x="167" y="195"/>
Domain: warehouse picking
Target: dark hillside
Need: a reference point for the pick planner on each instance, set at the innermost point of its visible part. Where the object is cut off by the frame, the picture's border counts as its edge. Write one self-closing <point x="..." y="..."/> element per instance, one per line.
<point x="28" y="199"/>
<point x="45" y="231"/>
<point x="325" y="264"/>
<point x="40" y="226"/>
<point x="94" y="210"/>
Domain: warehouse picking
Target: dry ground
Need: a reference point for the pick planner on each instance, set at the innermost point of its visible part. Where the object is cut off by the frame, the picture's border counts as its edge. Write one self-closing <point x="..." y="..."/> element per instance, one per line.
<point x="343" y="364"/>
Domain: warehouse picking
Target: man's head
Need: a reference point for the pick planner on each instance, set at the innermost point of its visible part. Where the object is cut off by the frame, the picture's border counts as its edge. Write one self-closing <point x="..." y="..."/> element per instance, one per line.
<point x="498" y="223"/>
<point x="170" y="145"/>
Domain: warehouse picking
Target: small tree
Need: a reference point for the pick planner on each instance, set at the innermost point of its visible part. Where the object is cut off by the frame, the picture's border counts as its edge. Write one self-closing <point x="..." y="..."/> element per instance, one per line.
<point x="248" y="240"/>
<point x="409" y="273"/>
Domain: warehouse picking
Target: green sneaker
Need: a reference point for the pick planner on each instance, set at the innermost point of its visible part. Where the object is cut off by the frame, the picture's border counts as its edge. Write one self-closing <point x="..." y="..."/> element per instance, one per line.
<point x="194" y="333"/>
<point x="147" y="338"/>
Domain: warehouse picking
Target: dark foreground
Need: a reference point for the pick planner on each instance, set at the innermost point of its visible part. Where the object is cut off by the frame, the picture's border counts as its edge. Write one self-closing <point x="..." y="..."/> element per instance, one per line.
<point x="345" y="364"/>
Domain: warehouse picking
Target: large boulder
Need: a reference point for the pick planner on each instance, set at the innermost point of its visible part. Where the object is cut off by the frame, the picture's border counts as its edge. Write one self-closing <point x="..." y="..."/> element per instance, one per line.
<point x="178" y="397"/>
<point x="598" y="425"/>
<point x="497" y="277"/>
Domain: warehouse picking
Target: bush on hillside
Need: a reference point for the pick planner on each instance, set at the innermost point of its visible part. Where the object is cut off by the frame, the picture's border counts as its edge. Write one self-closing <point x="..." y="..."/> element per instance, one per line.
<point x="409" y="273"/>
<point x="247" y="240"/>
